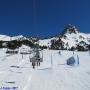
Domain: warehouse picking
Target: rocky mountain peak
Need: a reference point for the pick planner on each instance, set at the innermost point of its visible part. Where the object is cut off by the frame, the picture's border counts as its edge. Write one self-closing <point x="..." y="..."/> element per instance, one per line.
<point x="71" y="29"/>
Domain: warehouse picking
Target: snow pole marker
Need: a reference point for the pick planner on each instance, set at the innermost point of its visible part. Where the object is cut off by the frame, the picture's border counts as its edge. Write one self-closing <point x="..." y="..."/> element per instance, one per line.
<point x="51" y="59"/>
<point x="89" y="52"/>
<point x="77" y="60"/>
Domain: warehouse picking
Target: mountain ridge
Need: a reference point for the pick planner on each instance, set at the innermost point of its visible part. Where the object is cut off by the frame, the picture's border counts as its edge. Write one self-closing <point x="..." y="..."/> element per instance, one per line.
<point x="71" y="37"/>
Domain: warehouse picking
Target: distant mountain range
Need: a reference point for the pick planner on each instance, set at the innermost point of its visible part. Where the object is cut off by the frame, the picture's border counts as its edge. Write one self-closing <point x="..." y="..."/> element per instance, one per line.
<point x="70" y="39"/>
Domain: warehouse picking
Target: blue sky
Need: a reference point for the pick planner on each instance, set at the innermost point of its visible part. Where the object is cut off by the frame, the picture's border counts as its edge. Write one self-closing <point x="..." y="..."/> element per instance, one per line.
<point x="43" y="17"/>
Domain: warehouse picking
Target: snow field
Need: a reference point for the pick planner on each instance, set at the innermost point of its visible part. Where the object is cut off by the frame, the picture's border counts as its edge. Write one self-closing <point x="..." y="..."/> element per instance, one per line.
<point x="53" y="73"/>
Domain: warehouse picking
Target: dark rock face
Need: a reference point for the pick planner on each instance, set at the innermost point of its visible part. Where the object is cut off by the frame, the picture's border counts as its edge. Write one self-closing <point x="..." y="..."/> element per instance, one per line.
<point x="57" y="44"/>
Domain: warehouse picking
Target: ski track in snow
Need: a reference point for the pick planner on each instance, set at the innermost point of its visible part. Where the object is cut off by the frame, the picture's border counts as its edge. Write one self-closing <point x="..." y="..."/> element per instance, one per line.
<point x="51" y="75"/>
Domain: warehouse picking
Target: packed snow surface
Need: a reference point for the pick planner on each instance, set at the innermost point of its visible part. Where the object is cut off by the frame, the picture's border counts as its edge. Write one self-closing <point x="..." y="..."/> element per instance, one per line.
<point x="53" y="74"/>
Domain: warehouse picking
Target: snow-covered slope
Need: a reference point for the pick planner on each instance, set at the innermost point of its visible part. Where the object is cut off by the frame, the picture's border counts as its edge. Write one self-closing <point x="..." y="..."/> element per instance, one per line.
<point x="46" y="42"/>
<point x="74" y="39"/>
<point x="9" y="38"/>
<point x="16" y="72"/>
<point x="4" y="38"/>
<point x="17" y="37"/>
